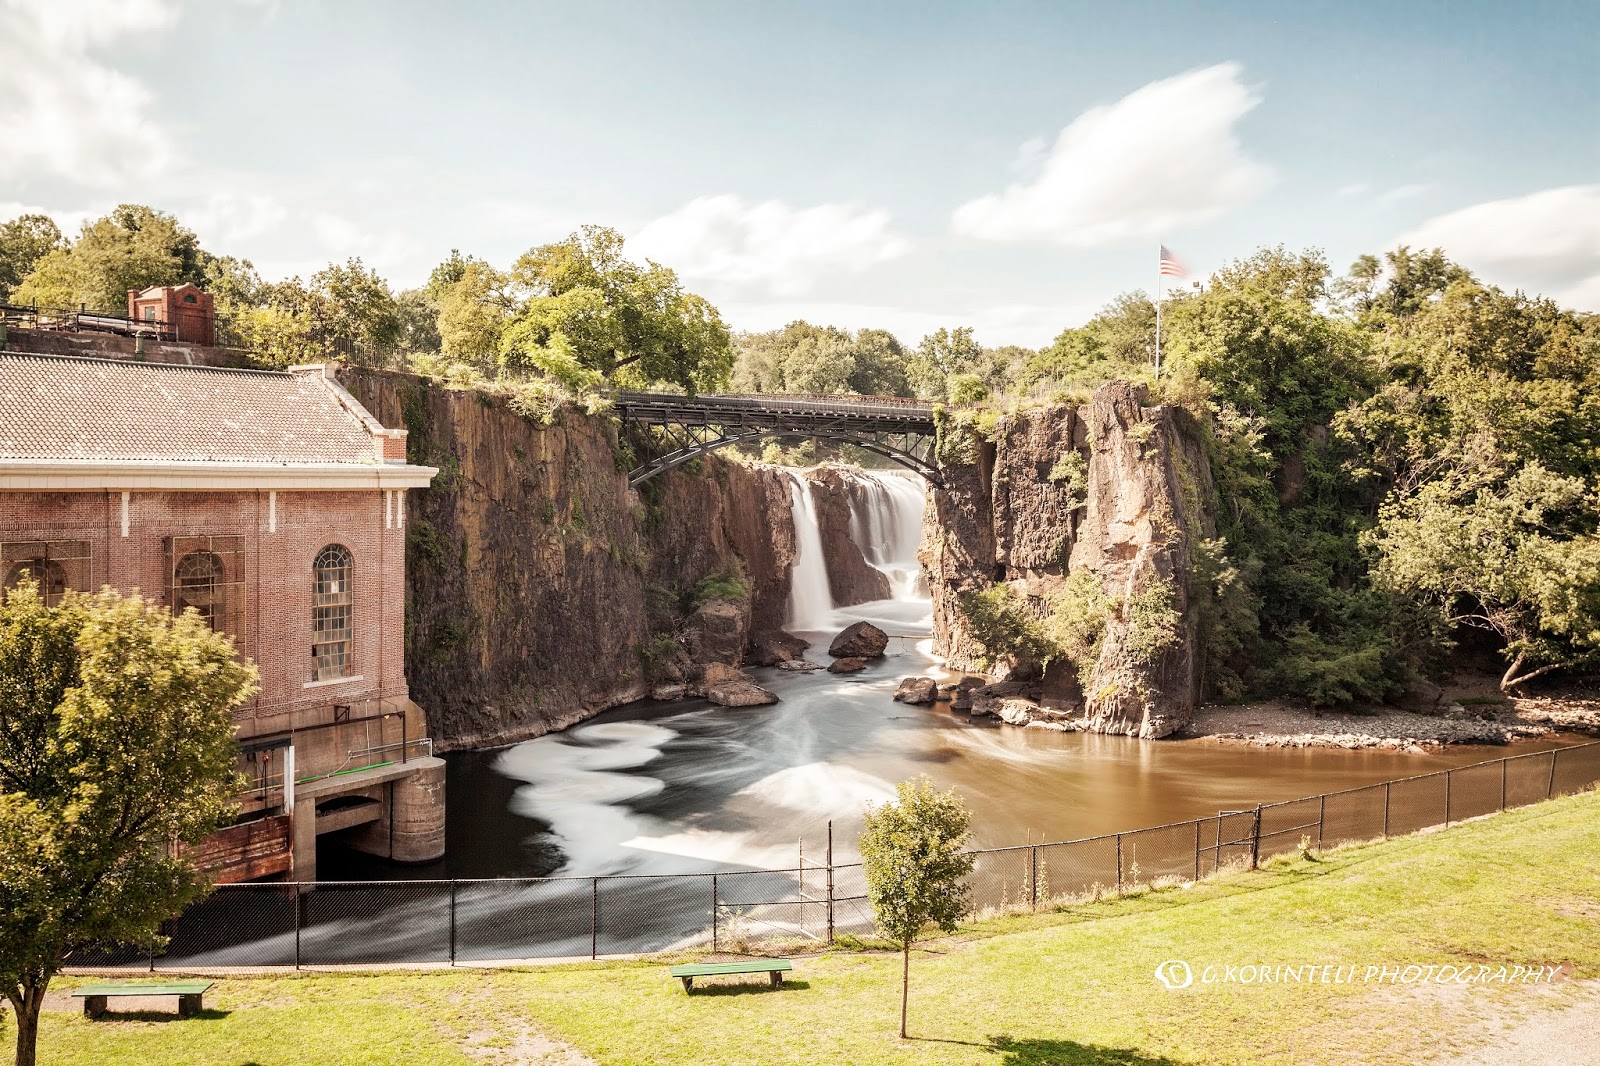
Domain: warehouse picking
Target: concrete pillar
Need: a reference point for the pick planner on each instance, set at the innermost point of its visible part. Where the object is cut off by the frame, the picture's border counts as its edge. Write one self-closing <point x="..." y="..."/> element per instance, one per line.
<point x="304" y="829"/>
<point x="417" y="813"/>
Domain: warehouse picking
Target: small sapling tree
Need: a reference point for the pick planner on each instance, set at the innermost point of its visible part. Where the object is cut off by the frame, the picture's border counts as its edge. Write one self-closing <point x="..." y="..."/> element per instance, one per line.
<point x="913" y="850"/>
<point x="116" y="747"/>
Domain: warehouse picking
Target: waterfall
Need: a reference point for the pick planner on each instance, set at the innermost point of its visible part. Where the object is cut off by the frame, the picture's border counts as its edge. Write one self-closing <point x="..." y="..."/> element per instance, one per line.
<point x="810" y="601"/>
<point x="886" y="524"/>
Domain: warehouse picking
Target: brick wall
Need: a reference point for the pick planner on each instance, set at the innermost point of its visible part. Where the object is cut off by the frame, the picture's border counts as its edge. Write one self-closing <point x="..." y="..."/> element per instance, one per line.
<point x="273" y="626"/>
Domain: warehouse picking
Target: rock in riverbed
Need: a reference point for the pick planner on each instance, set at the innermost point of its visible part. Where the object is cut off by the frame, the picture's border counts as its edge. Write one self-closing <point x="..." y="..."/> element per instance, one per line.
<point x="917" y="690"/>
<point x="863" y="640"/>
<point x="744" y="693"/>
<point x="850" y="664"/>
<point x="802" y="665"/>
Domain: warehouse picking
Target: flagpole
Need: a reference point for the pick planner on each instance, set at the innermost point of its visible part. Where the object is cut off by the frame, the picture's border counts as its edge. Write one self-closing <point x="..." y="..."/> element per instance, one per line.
<point x="1158" y="310"/>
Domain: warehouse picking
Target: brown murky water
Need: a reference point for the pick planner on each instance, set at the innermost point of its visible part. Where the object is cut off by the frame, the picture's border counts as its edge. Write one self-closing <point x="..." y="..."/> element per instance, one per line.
<point x="691" y="786"/>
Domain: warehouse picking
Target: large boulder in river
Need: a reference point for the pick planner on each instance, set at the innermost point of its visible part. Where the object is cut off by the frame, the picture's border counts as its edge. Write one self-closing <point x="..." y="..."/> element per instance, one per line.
<point x="804" y="666"/>
<point x="715" y="632"/>
<point x="848" y="665"/>
<point x="917" y="690"/>
<point x="863" y="640"/>
<point x="774" y="647"/>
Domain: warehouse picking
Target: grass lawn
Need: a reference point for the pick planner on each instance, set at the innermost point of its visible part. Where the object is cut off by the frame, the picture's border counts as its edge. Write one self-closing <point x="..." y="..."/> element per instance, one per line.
<point x="1074" y="986"/>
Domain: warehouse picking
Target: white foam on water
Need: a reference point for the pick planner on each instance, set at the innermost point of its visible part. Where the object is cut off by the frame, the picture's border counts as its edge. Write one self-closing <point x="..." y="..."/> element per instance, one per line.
<point x="571" y="784"/>
<point x="820" y="788"/>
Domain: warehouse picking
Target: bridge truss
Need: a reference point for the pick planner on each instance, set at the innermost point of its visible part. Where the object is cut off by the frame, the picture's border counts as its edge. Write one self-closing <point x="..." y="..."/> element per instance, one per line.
<point x="690" y="426"/>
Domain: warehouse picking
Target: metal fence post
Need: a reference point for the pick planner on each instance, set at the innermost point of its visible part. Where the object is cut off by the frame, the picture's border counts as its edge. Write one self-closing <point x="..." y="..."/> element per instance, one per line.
<point x="1119" y="863"/>
<point x="594" y="917"/>
<point x="1033" y="875"/>
<point x="713" y="914"/>
<point x="1550" y="789"/>
<point x="1197" y="849"/>
<point x="1322" y="816"/>
<point x="1448" y="774"/>
<point x="1255" y="840"/>
<point x="830" y="880"/>
<point x="1386" y="785"/>
<point x="452" y="923"/>
<point x="1503" y="783"/>
<point x="299" y="904"/>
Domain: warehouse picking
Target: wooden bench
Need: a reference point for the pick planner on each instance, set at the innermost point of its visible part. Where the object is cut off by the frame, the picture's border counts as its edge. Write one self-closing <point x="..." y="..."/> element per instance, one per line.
<point x="775" y="968"/>
<point x="188" y="992"/>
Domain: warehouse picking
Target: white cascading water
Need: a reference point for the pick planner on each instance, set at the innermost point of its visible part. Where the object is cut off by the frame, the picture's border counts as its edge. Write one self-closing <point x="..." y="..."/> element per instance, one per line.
<point x="886" y="524"/>
<point x="810" y="600"/>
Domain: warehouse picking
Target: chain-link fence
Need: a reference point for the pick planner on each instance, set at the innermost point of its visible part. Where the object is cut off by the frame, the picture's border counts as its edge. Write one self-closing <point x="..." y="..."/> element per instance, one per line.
<point x="757" y="911"/>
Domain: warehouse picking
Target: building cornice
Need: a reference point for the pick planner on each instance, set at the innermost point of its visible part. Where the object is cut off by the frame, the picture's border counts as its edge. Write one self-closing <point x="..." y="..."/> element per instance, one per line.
<point x="91" y="475"/>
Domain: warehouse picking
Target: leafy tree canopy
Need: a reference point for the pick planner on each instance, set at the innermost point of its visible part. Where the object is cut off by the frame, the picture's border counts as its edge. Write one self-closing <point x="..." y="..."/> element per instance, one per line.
<point x="134" y="247"/>
<point x="116" y="742"/>
<point x="591" y="314"/>
<point x="24" y="241"/>
<point x="914" y="855"/>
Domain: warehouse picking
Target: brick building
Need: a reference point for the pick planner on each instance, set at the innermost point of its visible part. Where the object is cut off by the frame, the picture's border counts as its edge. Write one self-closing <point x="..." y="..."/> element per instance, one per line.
<point x="274" y="505"/>
<point x="180" y="313"/>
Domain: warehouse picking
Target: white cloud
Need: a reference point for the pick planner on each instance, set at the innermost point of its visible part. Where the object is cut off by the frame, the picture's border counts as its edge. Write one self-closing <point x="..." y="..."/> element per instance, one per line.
<point x="1353" y="189"/>
<point x="1162" y="157"/>
<point x="67" y="113"/>
<point x="1404" y="192"/>
<point x="1031" y="325"/>
<point x="223" y="218"/>
<point x="769" y="244"/>
<point x="1546" y="242"/>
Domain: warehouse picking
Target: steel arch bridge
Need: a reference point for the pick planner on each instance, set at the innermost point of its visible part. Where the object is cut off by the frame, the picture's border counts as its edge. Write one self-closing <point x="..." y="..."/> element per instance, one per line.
<point x="690" y="426"/>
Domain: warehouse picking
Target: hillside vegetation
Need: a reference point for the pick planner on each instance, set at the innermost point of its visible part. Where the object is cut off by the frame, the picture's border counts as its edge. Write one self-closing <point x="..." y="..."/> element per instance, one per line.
<point x="1405" y="458"/>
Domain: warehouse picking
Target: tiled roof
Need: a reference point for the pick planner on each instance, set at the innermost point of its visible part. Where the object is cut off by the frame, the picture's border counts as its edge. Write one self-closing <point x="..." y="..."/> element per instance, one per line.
<point x="75" y="408"/>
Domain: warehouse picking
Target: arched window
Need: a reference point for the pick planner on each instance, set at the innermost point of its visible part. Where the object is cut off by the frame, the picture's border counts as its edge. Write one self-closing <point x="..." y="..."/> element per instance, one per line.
<point x="199" y="581"/>
<point x="332" y="613"/>
<point x="50" y="576"/>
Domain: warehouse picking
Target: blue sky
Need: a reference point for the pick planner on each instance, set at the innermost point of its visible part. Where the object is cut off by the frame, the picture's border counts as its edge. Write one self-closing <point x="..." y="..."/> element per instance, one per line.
<point x="1010" y="166"/>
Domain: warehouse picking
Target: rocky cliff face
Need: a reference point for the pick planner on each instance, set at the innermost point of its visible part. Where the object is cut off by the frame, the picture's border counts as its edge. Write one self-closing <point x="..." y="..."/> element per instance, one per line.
<point x="1115" y="488"/>
<point x="851" y="579"/>
<point x="539" y="584"/>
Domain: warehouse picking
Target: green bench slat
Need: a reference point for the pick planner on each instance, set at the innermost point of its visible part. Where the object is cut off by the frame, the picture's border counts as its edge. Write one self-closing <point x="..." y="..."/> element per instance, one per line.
<point x="712" y="969"/>
<point x="173" y="988"/>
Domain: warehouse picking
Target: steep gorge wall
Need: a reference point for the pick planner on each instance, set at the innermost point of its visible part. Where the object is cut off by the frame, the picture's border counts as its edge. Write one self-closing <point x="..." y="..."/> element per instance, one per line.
<point x="1130" y="508"/>
<point x="536" y="577"/>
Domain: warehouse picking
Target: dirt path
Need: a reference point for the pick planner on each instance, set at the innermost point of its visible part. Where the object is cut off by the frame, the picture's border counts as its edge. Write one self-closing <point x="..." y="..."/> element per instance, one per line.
<point x="1566" y="1036"/>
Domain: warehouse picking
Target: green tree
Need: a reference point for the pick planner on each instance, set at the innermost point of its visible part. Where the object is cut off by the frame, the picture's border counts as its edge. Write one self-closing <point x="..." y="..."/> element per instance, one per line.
<point x="134" y="247"/>
<point x="913" y="853"/>
<point x="353" y="310"/>
<point x="1521" y="560"/>
<point x="592" y="314"/>
<point x="24" y="241"/>
<point x="942" y="354"/>
<point x="474" y="303"/>
<point x="116" y="742"/>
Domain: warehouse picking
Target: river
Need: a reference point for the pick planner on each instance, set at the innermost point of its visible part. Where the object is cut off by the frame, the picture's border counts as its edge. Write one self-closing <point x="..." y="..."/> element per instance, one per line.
<point x="656" y="788"/>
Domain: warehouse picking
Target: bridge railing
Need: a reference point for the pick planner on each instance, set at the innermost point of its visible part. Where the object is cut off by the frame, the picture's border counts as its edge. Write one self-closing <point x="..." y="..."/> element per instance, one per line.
<point x="891" y="407"/>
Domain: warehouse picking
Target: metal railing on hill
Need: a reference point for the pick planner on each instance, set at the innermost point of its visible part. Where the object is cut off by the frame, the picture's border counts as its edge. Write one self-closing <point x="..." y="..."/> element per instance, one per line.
<point x="515" y="919"/>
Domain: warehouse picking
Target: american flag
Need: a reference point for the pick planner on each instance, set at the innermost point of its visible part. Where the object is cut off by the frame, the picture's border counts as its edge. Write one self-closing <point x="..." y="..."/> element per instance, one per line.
<point x="1170" y="266"/>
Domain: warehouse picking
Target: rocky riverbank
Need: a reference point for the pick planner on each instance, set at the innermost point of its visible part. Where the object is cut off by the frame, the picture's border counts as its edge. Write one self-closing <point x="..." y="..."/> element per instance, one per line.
<point x="1278" y="725"/>
<point x="1274" y="724"/>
